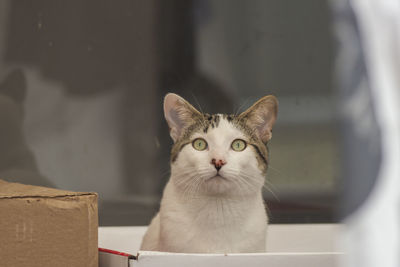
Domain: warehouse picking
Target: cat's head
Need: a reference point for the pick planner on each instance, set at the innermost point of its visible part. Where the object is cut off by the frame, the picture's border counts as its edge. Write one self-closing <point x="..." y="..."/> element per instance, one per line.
<point x="219" y="154"/>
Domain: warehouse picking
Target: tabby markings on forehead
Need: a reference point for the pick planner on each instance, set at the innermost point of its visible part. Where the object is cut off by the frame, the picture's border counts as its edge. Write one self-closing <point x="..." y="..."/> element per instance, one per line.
<point x="210" y="120"/>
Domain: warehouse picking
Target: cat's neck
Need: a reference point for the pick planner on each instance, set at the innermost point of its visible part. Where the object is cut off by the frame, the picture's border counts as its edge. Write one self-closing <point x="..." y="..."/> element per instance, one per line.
<point x="224" y="207"/>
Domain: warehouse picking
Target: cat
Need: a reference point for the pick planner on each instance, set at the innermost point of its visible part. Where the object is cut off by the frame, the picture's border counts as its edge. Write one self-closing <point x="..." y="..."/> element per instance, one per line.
<point x="17" y="162"/>
<point x="213" y="201"/>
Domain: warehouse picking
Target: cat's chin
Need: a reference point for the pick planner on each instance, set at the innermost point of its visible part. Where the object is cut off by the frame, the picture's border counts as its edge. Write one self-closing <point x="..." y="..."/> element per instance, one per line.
<point x="217" y="185"/>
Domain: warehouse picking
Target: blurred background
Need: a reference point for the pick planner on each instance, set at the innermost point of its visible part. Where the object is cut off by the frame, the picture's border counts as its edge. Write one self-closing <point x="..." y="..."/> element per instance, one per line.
<point x="82" y="85"/>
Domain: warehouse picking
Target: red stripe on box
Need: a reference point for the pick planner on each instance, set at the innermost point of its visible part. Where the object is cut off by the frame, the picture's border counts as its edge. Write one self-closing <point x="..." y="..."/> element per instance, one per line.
<point x="115" y="252"/>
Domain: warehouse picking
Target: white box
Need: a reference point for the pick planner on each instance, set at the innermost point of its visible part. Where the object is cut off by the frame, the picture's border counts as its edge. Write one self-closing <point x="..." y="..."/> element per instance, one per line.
<point x="300" y="245"/>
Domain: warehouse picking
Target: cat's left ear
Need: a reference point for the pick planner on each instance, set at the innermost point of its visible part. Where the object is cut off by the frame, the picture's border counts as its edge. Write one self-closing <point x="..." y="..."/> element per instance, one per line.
<point x="179" y="114"/>
<point x="261" y="117"/>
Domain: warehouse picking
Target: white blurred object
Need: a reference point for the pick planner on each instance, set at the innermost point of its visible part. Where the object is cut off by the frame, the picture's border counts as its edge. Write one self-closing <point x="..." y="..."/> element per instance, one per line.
<point x="372" y="233"/>
<point x="76" y="140"/>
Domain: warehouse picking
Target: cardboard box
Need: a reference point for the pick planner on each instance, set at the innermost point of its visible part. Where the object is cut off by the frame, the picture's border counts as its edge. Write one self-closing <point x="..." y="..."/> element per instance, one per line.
<point x="47" y="227"/>
<point x="304" y="245"/>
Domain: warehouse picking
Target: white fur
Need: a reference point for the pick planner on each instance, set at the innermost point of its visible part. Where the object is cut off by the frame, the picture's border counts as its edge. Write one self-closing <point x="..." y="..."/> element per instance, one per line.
<point x="202" y="213"/>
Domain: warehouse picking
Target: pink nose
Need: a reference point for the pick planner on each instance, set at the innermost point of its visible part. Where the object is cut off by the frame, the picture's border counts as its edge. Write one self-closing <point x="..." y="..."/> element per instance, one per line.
<point x="218" y="163"/>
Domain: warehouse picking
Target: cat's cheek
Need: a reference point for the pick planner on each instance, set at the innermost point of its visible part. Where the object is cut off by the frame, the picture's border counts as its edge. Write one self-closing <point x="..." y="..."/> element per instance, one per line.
<point x="191" y="160"/>
<point x="256" y="162"/>
<point x="243" y="160"/>
<point x="252" y="169"/>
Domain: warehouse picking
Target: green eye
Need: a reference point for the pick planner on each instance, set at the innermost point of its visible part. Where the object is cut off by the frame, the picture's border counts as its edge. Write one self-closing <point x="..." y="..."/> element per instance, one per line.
<point x="199" y="144"/>
<point x="238" y="145"/>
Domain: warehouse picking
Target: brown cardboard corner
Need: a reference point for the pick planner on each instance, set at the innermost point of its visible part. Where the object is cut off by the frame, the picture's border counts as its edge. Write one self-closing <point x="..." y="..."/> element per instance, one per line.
<point x="47" y="227"/>
<point x="17" y="190"/>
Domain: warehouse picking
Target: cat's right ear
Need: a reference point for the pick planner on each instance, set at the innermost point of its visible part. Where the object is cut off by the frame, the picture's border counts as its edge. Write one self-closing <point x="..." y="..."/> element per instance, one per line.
<point x="179" y="114"/>
<point x="261" y="117"/>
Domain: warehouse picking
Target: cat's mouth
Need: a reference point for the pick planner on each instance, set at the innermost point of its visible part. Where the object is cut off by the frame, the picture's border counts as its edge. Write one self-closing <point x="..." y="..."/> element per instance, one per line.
<point x="217" y="176"/>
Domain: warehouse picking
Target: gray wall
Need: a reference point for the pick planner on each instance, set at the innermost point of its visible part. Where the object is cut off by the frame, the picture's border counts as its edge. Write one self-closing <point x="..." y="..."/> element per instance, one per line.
<point x="93" y="119"/>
